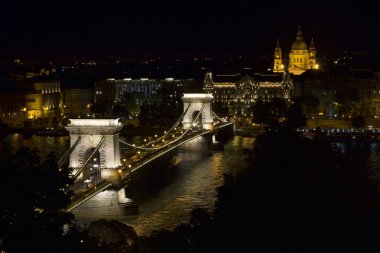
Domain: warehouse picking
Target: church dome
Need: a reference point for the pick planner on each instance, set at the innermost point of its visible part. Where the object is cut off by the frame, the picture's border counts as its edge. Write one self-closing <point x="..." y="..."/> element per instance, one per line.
<point x="299" y="44"/>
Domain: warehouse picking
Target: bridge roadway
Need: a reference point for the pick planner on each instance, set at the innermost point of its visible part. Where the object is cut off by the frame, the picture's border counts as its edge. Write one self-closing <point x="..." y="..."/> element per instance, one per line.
<point x="85" y="191"/>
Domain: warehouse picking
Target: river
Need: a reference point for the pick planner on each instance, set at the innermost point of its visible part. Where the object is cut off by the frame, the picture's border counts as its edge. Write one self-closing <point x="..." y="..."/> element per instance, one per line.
<point x="167" y="190"/>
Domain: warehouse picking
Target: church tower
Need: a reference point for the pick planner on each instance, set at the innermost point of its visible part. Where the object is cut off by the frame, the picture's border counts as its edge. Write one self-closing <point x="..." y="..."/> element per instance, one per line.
<point x="278" y="66"/>
<point x="299" y="55"/>
<point x="208" y="83"/>
<point x="312" y="56"/>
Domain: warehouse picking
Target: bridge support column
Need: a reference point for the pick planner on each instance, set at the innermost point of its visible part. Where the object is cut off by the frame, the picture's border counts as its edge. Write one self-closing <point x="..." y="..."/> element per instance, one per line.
<point x="106" y="204"/>
<point x="91" y="132"/>
<point x="198" y="102"/>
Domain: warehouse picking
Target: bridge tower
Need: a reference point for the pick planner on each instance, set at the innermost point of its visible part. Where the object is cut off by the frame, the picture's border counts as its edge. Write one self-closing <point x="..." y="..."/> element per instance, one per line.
<point x="193" y="103"/>
<point x="94" y="156"/>
<point x="88" y="136"/>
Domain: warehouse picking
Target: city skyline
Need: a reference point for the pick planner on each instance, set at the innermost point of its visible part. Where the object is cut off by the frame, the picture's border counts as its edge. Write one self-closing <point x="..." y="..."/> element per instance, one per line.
<point x="129" y="29"/>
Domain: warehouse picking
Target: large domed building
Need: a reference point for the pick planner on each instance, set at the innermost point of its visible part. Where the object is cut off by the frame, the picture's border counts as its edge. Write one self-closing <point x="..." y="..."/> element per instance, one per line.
<point x="301" y="57"/>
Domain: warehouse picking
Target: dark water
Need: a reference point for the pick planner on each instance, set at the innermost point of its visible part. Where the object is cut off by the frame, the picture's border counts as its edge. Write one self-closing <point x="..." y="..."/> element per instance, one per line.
<point x="366" y="161"/>
<point x="10" y="143"/>
<point x="168" y="189"/>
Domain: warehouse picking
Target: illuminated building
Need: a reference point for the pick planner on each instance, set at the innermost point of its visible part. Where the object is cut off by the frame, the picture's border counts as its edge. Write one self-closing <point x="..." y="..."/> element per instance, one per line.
<point x="52" y="103"/>
<point x="278" y="64"/>
<point x="114" y="90"/>
<point x="136" y="91"/>
<point x="223" y="87"/>
<point x="301" y="58"/>
<point x="12" y="108"/>
<point x="240" y="92"/>
<point x="34" y="107"/>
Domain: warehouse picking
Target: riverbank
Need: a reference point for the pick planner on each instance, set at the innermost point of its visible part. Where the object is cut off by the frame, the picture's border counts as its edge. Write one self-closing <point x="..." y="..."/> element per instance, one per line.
<point x="127" y="130"/>
<point x="37" y="131"/>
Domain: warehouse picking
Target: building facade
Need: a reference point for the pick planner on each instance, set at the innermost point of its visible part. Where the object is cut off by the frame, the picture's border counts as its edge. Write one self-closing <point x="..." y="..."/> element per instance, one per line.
<point x="12" y="108"/>
<point x="134" y="92"/>
<point x="301" y="57"/>
<point x="52" y="101"/>
<point x="241" y="92"/>
<point x="34" y="107"/>
<point x="278" y="64"/>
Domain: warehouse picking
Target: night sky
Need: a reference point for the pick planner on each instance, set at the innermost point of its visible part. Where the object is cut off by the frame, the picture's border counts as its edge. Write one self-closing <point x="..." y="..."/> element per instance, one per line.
<point x="96" y="28"/>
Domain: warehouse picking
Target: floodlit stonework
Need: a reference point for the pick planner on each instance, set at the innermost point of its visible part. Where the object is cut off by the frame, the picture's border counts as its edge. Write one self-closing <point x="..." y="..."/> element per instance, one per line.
<point x="91" y="132"/>
<point x="301" y="57"/>
<point x="196" y="102"/>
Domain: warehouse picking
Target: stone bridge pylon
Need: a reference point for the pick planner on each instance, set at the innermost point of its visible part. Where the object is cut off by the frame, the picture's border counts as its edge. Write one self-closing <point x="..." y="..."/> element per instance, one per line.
<point x="94" y="155"/>
<point x="195" y="103"/>
<point x="96" y="139"/>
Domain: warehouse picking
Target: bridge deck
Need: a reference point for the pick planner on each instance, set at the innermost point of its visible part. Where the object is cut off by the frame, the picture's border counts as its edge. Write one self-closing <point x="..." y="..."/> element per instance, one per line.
<point x="136" y="161"/>
<point x="86" y="194"/>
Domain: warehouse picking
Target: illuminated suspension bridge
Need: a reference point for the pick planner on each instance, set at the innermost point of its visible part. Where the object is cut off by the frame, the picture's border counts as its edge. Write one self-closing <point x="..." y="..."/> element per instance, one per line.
<point x="100" y="170"/>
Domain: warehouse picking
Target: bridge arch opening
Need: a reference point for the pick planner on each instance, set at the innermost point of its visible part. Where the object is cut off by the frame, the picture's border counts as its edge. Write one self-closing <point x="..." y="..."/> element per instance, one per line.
<point x="92" y="172"/>
<point x="197" y="121"/>
<point x="195" y="103"/>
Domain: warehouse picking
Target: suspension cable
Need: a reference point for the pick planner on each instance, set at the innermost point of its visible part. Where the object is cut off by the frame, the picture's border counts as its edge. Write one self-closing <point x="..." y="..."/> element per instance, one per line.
<point x="176" y="123"/>
<point x="153" y="148"/>
<point x="220" y="119"/>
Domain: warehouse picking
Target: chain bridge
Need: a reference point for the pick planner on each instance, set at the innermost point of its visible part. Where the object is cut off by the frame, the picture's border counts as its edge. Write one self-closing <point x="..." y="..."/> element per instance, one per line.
<point x="101" y="172"/>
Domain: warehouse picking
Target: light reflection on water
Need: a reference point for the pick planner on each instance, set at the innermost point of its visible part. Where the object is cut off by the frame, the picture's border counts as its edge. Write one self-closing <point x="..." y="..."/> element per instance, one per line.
<point x="168" y="189"/>
<point x="365" y="158"/>
<point x="373" y="170"/>
<point x="12" y="142"/>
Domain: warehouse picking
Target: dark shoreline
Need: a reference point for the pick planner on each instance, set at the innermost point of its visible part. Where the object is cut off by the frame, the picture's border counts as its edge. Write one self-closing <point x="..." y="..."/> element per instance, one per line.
<point x="126" y="130"/>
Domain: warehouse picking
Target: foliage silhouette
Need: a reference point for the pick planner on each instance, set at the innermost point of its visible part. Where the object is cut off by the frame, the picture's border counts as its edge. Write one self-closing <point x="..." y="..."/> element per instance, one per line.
<point x="34" y="197"/>
<point x="297" y="195"/>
